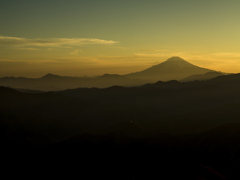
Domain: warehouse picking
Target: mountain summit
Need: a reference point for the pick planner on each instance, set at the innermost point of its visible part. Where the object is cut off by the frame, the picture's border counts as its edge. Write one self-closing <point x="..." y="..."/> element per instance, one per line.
<point x="175" y="59"/>
<point x="174" y="68"/>
<point x="49" y="75"/>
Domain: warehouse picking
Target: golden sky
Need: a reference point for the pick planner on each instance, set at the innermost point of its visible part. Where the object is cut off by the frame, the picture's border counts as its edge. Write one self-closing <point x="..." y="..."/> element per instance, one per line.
<point x="87" y="38"/>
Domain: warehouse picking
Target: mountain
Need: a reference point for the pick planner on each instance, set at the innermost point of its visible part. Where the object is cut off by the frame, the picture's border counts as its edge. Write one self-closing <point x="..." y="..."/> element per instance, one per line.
<point x="202" y="77"/>
<point x="142" y="132"/>
<point x="165" y="107"/>
<point x="231" y="79"/>
<point x="49" y="75"/>
<point x="175" y="68"/>
<point x="148" y="131"/>
<point x="51" y="82"/>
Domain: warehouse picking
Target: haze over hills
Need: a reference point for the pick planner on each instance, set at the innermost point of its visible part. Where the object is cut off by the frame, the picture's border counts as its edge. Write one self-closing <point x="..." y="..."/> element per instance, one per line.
<point x="174" y="68"/>
<point x="51" y="82"/>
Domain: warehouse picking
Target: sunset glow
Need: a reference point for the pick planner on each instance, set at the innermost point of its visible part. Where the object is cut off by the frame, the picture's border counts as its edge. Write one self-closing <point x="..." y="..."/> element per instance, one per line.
<point x="88" y="38"/>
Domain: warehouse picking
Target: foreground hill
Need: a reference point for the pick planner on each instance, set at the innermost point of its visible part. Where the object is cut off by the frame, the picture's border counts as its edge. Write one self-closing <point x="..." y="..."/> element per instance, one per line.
<point x="162" y="130"/>
<point x="211" y="155"/>
<point x="169" y="107"/>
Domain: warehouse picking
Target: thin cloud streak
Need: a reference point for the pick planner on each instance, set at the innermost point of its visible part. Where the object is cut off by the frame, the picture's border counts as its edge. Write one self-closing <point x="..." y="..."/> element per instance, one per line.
<point x="75" y="52"/>
<point x="51" y="42"/>
<point x="26" y="48"/>
<point x="154" y="50"/>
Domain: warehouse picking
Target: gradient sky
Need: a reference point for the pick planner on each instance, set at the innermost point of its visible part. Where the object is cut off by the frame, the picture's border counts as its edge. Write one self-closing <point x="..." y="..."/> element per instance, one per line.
<point x="93" y="37"/>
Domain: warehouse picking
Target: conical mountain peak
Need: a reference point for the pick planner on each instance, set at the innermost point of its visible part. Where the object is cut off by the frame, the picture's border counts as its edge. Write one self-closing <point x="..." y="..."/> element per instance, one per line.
<point x="174" y="68"/>
<point x="175" y="59"/>
<point x="49" y="75"/>
<point x="176" y="62"/>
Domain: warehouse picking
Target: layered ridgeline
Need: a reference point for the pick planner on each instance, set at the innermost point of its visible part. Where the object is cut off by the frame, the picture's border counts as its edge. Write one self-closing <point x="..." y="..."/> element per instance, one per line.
<point x="166" y="107"/>
<point x="51" y="82"/>
<point x="174" y="68"/>
<point x="166" y="129"/>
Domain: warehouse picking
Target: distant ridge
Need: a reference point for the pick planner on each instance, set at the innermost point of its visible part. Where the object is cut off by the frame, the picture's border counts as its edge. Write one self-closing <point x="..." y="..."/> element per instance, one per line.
<point x="51" y="82"/>
<point x="174" y="68"/>
<point x="202" y="77"/>
<point x="50" y="75"/>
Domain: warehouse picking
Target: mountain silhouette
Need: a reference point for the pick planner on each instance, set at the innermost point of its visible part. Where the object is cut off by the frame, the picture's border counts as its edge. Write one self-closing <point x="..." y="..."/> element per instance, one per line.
<point x="50" y="75"/>
<point x="175" y="68"/>
<point x="202" y="77"/>
<point x="189" y="129"/>
<point x="51" y="82"/>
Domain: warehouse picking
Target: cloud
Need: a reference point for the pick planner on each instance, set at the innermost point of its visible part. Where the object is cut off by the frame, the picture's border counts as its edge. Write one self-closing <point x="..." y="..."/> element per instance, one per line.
<point x="50" y="42"/>
<point x="27" y="48"/>
<point x="166" y="55"/>
<point x="153" y="50"/>
<point x="75" y="52"/>
<point x="224" y="55"/>
<point x="149" y="55"/>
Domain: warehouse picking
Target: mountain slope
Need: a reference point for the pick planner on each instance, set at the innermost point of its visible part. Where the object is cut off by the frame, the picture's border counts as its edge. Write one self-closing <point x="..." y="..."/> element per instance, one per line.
<point x="174" y="68"/>
<point x="202" y="77"/>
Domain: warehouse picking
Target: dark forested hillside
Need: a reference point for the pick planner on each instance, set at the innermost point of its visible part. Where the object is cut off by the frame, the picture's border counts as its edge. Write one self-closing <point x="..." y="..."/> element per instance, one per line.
<point x="170" y="129"/>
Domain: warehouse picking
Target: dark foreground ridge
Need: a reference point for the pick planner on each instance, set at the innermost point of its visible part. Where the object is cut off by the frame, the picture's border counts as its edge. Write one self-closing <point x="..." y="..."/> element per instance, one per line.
<point x="163" y="130"/>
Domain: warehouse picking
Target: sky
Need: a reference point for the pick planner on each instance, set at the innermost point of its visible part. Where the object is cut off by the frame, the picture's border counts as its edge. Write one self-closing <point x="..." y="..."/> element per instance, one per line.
<point x="94" y="37"/>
